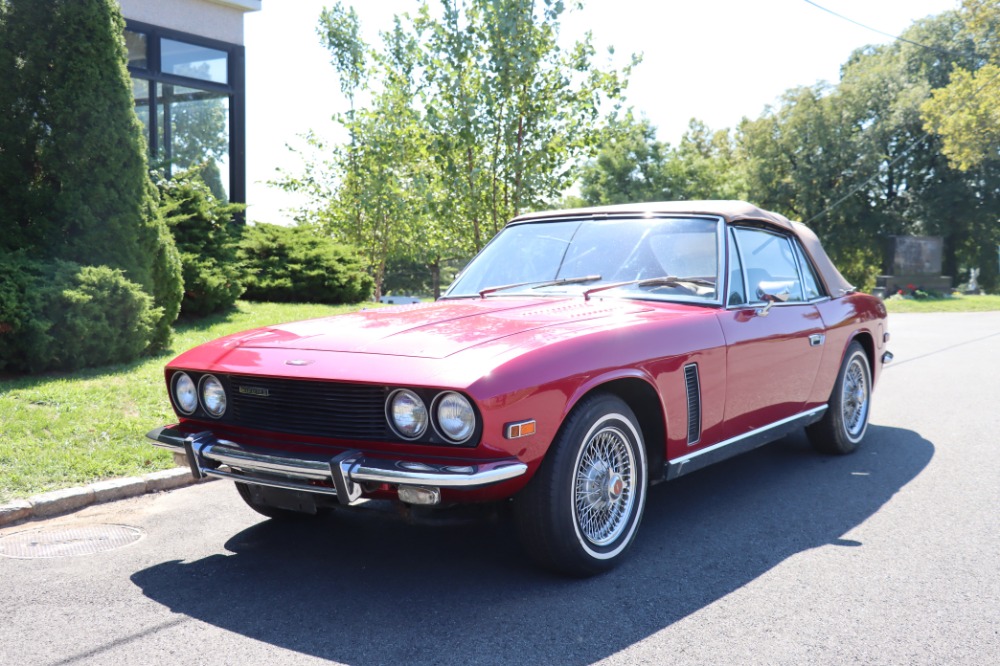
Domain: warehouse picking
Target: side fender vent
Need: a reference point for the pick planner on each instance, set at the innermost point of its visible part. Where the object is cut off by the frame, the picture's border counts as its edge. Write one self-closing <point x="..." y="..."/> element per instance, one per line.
<point x="694" y="402"/>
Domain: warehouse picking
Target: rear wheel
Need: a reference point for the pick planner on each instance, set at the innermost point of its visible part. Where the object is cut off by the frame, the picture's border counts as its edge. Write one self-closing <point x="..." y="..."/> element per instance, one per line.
<point x="581" y="511"/>
<point x="846" y="420"/>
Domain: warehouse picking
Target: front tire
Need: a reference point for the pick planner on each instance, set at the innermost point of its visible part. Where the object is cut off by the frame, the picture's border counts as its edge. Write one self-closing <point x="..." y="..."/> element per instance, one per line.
<point x="581" y="511"/>
<point x="256" y="500"/>
<point x="846" y="420"/>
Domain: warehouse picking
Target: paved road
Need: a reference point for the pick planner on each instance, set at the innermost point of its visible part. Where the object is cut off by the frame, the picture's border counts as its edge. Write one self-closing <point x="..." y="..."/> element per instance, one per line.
<point x="782" y="556"/>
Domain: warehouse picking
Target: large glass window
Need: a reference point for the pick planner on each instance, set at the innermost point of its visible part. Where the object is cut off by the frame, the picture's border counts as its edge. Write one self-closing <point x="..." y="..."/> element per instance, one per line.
<point x="189" y="94"/>
<point x="193" y="61"/>
<point x="194" y="132"/>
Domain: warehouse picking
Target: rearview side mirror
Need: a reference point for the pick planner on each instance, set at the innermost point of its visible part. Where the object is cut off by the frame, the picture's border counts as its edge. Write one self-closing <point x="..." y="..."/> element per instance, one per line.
<point x="771" y="293"/>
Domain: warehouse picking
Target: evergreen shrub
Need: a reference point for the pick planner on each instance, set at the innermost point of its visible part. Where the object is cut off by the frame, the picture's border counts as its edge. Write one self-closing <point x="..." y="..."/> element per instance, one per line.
<point x="58" y="315"/>
<point x="207" y="238"/>
<point x="74" y="181"/>
<point x="300" y="265"/>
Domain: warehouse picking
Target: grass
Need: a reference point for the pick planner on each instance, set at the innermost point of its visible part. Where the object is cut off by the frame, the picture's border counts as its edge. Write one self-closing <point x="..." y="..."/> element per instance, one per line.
<point x="59" y="431"/>
<point x="960" y="303"/>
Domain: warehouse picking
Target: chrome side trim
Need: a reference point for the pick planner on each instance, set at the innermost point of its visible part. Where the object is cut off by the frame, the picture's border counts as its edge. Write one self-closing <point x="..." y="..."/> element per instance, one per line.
<point x="339" y="475"/>
<point x="741" y="443"/>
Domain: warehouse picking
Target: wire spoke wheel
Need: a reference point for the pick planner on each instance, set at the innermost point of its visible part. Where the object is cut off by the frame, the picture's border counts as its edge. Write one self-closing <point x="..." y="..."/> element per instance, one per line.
<point x="855" y="398"/>
<point x="604" y="494"/>
<point x="581" y="511"/>
<point x="845" y="422"/>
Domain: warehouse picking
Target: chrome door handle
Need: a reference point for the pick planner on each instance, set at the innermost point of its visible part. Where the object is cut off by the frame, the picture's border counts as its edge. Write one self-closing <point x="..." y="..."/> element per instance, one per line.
<point x="816" y="339"/>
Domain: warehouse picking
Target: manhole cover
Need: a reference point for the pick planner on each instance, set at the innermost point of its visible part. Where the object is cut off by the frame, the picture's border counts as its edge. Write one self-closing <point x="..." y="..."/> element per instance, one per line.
<point x="68" y="541"/>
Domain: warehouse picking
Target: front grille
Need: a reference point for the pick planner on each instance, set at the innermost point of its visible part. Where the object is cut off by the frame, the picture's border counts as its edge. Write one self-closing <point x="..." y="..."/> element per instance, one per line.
<point x="321" y="409"/>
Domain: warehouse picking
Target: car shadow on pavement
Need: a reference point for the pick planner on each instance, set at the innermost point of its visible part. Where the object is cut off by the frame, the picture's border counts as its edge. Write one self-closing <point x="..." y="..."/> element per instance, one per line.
<point x="362" y="590"/>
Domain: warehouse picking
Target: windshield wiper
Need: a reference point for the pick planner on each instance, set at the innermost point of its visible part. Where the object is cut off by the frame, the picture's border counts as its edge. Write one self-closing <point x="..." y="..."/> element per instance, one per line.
<point x="539" y="285"/>
<point x="663" y="281"/>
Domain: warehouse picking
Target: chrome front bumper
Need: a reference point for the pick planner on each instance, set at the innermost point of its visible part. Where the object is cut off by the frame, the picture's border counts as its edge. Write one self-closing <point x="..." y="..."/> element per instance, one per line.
<point x="341" y="475"/>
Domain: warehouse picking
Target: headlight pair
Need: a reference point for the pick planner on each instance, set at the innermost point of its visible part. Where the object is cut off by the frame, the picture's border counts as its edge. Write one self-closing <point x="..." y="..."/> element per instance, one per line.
<point x="210" y="393"/>
<point x="451" y="415"/>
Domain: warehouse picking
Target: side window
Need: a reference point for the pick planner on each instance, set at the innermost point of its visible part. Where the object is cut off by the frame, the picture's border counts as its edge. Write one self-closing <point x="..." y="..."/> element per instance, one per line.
<point x="737" y="290"/>
<point x="770" y="263"/>
<point x="810" y="283"/>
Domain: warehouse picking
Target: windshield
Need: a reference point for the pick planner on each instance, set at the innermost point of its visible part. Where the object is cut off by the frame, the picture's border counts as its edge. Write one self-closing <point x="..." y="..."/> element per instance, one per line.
<point x="577" y="256"/>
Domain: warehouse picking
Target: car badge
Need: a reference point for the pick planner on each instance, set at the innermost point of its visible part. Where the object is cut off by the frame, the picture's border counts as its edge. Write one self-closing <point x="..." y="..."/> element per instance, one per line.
<point x="254" y="390"/>
<point x="298" y="361"/>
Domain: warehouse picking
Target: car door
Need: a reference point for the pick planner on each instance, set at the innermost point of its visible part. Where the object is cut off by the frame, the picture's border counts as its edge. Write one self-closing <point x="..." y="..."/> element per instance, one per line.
<point x="773" y="350"/>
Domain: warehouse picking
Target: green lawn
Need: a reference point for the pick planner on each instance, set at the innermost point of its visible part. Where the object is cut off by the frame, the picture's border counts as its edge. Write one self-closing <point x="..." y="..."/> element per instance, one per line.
<point x="64" y="430"/>
<point x="949" y="304"/>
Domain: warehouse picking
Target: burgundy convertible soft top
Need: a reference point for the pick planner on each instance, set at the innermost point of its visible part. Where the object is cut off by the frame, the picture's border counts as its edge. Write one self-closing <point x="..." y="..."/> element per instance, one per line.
<point x="731" y="212"/>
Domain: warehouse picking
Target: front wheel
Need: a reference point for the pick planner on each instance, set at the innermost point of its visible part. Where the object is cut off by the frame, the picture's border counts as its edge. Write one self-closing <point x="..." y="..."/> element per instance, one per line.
<point x="581" y="511"/>
<point x="846" y="420"/>
<point x="281" y="505"/>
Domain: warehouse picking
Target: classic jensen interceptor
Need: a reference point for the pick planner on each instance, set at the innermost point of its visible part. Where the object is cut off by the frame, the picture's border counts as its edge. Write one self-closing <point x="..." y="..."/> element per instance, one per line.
<point x="581" y="356"/>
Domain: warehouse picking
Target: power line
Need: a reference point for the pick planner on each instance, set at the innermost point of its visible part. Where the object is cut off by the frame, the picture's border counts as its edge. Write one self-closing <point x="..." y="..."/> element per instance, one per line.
<point x="891" y="36"/>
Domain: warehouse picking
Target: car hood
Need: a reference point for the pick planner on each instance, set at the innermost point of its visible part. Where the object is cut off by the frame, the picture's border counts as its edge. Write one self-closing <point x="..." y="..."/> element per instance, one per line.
<point x="436" y="330"/>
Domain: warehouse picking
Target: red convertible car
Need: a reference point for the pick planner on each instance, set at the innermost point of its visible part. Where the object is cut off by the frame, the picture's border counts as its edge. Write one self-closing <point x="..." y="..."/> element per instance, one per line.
<point x="581" y="356"/>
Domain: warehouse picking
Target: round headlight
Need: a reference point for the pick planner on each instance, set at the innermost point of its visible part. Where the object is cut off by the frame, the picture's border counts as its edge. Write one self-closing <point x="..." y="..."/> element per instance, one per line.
<point x="407" y="414"/>
<point x="455" y="417"/>
<point x="185" y="394"/>
<point x="213" y="396"/>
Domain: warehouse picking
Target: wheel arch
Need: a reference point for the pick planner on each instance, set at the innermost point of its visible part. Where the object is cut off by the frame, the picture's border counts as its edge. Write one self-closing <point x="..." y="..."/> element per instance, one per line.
<point x="867" y="342"/>
<point x="645" y="403"/>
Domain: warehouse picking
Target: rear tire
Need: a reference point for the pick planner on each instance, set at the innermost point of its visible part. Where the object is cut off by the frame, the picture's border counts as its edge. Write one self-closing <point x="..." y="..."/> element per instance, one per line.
<point x="844" y="425"/>
<point x="581" y="511"/>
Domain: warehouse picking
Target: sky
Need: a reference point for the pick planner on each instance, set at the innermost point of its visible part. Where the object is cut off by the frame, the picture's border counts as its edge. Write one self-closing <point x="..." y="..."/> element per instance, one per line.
<point x="715" y="60"/>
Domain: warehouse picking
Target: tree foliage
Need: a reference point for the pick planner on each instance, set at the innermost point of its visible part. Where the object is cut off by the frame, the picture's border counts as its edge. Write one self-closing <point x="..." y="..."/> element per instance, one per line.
<point x="852" y="160"/>
<point x="475" y="114"/>
<point x="73" y="173"/>
<point x="633" y="166"/>
<point x="966" y="111"/>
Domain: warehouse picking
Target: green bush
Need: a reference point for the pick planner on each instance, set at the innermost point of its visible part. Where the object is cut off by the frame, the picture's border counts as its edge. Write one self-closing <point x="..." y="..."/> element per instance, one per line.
<point x="58" y="315"/>
<point x="207" y="238"/>
<point x="299" y="264"/>
<point x="74" y="181"/>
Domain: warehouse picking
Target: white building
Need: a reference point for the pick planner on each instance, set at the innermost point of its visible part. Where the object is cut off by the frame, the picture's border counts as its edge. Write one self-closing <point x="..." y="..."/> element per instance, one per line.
<point x="186" y="59"/>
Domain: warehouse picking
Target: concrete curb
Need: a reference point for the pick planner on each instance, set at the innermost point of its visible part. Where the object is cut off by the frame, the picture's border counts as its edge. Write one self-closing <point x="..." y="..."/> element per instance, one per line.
<point x="59" y="502"/>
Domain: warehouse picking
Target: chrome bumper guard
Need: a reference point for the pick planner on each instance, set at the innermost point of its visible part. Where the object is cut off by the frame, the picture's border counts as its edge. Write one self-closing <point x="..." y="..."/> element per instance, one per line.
<point x="211" y="456"/>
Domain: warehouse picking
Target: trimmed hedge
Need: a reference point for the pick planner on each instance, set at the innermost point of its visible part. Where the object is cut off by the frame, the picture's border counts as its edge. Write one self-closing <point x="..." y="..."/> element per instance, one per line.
<point x="300" y="265"/>
<point x="208" y="239"/>
<point x="58" y="315"/>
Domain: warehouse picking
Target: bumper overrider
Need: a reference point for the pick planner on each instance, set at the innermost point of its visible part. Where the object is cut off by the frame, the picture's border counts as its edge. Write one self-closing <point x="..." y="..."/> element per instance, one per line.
<point x="341" y="475"/>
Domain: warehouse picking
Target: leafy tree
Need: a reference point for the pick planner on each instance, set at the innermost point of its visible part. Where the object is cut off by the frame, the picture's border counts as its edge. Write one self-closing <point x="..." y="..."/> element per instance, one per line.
<point x="855" y="162"/>
<point x="631" y="166"/>
<point x="966" y="111"/>
<point x="73" y="174"/>
<point x="474" y="116"/>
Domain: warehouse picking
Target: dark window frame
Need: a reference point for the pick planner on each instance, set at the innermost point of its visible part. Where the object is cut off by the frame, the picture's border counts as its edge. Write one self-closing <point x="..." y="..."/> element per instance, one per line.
<point x="235" y="89"/>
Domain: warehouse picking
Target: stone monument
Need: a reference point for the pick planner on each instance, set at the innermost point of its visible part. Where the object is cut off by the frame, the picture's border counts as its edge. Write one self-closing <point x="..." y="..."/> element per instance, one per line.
<point x="912" y="262"/>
